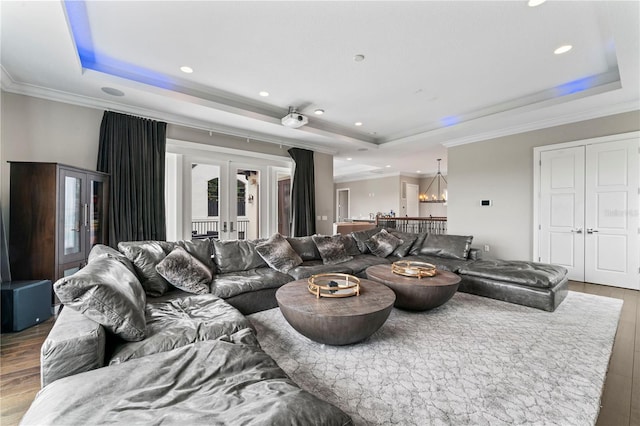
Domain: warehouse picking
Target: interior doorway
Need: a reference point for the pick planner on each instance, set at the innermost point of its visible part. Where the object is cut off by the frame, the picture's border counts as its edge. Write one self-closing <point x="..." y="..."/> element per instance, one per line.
<point x="343" y="200"/>
<point x="413" y="208"/>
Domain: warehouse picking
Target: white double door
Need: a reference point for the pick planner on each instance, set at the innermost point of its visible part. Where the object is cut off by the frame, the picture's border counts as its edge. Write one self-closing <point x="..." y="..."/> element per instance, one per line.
<point x="588" y="211"/>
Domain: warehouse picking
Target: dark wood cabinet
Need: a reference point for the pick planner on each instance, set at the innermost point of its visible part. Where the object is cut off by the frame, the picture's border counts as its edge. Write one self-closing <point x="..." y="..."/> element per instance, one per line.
<point x="57" y="214"/>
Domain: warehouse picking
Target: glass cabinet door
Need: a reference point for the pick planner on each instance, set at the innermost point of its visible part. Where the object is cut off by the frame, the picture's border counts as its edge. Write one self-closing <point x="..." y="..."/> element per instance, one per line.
<point x="71" y="220"/>
<point x="96" y="211"/>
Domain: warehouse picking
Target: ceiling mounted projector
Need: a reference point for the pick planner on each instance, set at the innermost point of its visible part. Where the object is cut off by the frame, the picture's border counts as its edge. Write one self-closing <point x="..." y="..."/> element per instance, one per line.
<point x="294" y="119"/>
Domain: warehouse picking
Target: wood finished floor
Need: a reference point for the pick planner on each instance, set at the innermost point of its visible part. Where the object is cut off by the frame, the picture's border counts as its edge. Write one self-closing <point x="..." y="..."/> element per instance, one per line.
<point x="20" y="365"/>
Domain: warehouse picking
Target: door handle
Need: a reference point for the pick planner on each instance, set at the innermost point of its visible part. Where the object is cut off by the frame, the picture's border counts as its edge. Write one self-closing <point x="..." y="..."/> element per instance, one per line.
<point x="577" y="231"/>
<point x="224" y="227"/>
<point x="591" y="231"/>
<point x="231" y="223"/>
<point x="86" y="215"/>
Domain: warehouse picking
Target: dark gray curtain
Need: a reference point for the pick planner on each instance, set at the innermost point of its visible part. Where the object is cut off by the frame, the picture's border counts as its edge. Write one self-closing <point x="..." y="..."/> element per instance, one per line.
<point x="132" y="151"/>
<point x="5" y="271"/>
<point x="303" y="198"/>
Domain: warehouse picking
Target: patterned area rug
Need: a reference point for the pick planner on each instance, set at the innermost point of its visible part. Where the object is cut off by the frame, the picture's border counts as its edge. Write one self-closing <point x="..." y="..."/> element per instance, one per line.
<point x="472" y="361"/>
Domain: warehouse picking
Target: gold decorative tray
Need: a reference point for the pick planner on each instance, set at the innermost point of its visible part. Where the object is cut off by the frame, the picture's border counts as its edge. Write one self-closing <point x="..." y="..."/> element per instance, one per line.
<point x="410" y="268"/>
<point x="334" y="285"/>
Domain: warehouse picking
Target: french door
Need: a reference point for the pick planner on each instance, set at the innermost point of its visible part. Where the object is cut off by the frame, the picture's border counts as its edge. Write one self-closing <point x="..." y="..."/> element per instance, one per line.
<point x="588" y="217"/>
<point x="225" y="200"/>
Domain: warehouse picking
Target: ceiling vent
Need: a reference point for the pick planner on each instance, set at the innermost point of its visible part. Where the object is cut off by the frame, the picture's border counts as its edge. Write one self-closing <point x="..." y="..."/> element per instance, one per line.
<point x="294" y="119"/>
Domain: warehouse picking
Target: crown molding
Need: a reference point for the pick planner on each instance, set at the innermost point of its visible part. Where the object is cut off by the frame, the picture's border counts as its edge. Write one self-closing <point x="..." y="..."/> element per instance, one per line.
<point x="360" y="177"/>
<point x="11" y="86"/>
<point x="547" y="123"/>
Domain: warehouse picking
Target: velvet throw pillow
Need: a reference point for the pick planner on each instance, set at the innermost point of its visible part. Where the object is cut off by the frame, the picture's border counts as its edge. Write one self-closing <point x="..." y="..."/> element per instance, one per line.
<point x="145" y="255"/>
<point x="185" y="272"/>
<point x="331" y="249"/>
<point x="383" y="243"/>
<point x="350" y="245"/>
<point x="109" y="293"/>
<point x="361" y="238"/>
<point x="278" y="253"/>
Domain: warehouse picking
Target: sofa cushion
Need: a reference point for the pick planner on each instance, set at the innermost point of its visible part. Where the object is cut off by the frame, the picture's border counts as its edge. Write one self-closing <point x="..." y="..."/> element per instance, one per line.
<point x="145" y="255"/>
<point x="382" y="244"/>
<point x="361" y="238"/>
<point x="179" y="322"/>
<point x="236" y="255"/>
<point x="331" y="249"/>
<point x="278" y="253"/>
<point x="441" y="263"/>
<point x="407" y="241"/>
<point x="209" y="382"/>
<point x="305" y="247"/>
<point x="239" y="282"/>
<point x="185" y="272"/>
<point x="417" y="244"/>
<point x="100" y="250"/>
<point x="531" y="274"/>
<point x="313" y="267"/>
<point x="201" y="249"/>
<point x="75" y="344"/>
<point x="451" y="246"/>
<point x="109" y="293"/>
<point x="360" y="263"/>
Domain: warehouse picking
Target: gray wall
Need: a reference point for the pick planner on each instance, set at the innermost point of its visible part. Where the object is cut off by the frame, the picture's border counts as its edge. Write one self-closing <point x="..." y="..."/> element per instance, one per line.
<point x="373" y="195"/>
<point x="502" y="170"/>
<point x="34" y="129"/>
<point x="325" y="207"/>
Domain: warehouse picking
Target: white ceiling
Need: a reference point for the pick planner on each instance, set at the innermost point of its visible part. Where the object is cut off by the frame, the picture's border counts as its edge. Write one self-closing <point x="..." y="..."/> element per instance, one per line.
<point x="434" y="74"/>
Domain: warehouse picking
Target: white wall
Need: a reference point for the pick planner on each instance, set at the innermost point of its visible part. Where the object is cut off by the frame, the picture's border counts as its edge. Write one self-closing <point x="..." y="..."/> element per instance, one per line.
<point x="502" y="170"/>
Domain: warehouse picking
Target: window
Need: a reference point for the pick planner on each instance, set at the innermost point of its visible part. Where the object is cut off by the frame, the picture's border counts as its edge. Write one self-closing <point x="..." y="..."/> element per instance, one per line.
<point x="212" y="197"/>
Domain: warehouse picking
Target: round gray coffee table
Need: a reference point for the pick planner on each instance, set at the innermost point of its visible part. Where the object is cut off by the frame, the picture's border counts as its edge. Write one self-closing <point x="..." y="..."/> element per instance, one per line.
<point x="416" y="294"/>
<point x="336" y="321"/>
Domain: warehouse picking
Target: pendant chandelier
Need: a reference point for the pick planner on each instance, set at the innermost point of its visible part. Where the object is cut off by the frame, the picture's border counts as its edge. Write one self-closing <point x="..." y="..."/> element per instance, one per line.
<point x="441" y="196"/>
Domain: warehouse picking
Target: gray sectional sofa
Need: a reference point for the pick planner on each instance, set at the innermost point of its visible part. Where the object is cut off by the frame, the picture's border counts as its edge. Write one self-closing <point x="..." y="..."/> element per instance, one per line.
<point x="178" y="308"/>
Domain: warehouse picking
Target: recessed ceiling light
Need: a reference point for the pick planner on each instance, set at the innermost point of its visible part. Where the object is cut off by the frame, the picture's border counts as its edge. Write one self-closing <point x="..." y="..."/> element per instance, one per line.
<point x="264" y="94"/>
<point x="534" y="3"/>
<point x="388" y="165"/>
<point x="113" y="92"/>
<point x="418" y="171"/>
<point x="563" y="49"/>
<point x="349" y="159"/>
<point x="358" y="58"/>
<point x="358" y="123"/>
<point x="318" y="111"/>
<point x="187" y="70"/>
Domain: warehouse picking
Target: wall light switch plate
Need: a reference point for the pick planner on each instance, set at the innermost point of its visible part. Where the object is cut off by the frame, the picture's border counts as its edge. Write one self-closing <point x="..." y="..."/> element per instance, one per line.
<point x="487" y="248"/>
